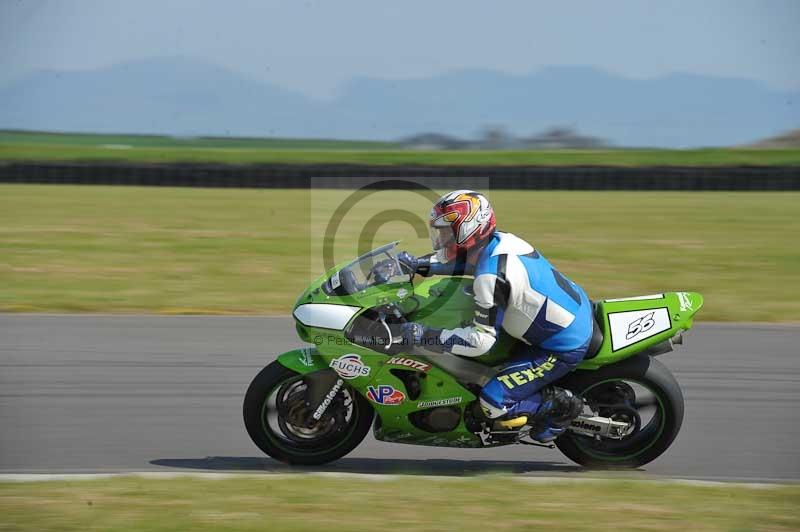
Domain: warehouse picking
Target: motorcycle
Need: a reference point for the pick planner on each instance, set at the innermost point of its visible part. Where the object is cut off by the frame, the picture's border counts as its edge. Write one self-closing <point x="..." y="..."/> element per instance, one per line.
<point x="314" y="405"/>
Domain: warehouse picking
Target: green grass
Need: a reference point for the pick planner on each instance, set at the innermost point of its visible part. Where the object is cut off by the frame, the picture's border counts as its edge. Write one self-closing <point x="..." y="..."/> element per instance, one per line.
<point x="183" y="250"/>
<point x="16" y="146"/>
<point x="406" y="503"/>
<point x="79" y="141"/>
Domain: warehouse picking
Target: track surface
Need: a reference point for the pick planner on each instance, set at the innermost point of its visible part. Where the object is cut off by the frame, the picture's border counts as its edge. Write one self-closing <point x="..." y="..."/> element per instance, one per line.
<point x="133" y="393"/>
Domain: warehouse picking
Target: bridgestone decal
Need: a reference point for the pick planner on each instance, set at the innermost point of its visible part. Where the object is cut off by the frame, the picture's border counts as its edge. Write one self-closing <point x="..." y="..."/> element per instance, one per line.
<point x="439" y="402"/>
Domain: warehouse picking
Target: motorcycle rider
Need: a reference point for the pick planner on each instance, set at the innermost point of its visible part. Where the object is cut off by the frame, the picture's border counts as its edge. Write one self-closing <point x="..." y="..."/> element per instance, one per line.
<point x="517" y="289"/>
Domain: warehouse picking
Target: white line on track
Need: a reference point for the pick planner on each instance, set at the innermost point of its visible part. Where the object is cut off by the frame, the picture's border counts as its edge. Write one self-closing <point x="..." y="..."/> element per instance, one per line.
<point x="164" y="475"/>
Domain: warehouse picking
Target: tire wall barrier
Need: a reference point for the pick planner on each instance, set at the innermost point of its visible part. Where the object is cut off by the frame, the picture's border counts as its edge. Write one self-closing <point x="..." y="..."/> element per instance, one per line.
<point x="357" y="176"/>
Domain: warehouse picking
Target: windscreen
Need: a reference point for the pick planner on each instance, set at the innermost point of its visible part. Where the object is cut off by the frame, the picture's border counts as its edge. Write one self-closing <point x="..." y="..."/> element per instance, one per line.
<point x="379" y="266"/>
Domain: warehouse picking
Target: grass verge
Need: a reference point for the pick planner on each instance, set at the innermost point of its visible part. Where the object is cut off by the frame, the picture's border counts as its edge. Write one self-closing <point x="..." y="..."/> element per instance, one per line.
<point x="408" y="503"/>
<point x="628" y="157"/>
<point x="183" y="250"/>
<point x="33" y="146"/>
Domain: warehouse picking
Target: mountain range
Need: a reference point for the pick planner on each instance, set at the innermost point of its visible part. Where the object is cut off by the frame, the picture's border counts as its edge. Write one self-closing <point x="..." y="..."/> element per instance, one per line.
<point x="186" y="97"/>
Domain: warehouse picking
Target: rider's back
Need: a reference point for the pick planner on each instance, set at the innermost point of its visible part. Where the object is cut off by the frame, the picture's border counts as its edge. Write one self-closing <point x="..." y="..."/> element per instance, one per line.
<point x="543" y="307"/>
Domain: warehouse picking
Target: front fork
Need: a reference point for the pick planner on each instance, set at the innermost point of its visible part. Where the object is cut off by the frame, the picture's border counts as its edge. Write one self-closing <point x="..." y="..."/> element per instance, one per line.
<point x="323" y="386"/>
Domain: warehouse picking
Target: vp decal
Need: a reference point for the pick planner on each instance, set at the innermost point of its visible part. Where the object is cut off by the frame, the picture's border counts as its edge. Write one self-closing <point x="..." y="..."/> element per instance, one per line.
<point x="350" y="366"/>
<point x="385" y="395"/>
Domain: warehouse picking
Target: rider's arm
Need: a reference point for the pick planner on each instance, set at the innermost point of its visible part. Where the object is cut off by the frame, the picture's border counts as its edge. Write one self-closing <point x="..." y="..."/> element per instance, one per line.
<point x="479" y="337"/>
<point x="428" y="265"/>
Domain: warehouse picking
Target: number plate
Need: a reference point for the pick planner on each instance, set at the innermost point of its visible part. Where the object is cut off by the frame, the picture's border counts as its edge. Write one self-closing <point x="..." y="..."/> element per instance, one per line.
<point x="628" y="328"/>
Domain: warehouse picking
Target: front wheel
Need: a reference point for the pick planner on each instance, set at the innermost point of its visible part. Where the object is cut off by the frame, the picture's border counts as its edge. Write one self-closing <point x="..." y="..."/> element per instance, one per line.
<point x="279" y="422"/>
<point x="639" y="391"/>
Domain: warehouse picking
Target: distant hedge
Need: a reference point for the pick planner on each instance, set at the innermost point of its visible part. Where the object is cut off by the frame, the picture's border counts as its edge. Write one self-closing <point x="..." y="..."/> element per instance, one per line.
<point x="357" y="176"/>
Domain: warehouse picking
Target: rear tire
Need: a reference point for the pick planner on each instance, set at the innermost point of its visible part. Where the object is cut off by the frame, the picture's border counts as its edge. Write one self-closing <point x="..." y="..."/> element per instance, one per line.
<point x="276" y="393"/>
<point x="668" y="401"/>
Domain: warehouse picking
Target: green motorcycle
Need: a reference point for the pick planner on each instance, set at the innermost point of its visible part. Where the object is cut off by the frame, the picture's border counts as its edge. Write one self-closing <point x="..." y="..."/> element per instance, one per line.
<point x="315" y="404"/>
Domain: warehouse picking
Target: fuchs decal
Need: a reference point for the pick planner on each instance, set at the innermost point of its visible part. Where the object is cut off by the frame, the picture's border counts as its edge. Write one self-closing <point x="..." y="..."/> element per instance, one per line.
<point x="350" y="366"/>
<point x="385" y="395"/>
<point x="409" y="363"/>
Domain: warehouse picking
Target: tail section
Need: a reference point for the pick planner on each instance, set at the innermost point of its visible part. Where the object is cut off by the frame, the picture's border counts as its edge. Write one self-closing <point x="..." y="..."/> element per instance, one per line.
<point x="633" y="324"/>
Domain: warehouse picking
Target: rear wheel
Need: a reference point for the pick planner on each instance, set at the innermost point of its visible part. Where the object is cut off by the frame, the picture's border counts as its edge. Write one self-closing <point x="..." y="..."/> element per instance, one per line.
<point x="280" y="423"/>
<point x="639" y="391"/>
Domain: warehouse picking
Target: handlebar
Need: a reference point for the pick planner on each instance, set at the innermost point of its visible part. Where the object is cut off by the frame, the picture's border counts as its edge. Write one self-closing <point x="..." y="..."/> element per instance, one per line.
<point x="382" y="317"/>
<point x="378" y="328"/>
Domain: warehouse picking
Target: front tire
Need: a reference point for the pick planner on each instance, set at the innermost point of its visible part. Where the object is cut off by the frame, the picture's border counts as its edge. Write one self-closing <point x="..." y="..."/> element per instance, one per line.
<point x="275" y="416"/>
<point x="617" y="384"/>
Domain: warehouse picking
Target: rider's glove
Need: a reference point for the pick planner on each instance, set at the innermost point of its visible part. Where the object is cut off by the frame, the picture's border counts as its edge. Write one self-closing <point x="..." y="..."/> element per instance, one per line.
<point x="412" y="333"/>
<point x="420" y="265"/>
<point x="408" y="260"/>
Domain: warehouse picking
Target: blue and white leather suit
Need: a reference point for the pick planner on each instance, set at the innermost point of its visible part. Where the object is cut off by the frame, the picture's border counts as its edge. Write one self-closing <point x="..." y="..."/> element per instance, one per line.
<point x="517" y="289"/>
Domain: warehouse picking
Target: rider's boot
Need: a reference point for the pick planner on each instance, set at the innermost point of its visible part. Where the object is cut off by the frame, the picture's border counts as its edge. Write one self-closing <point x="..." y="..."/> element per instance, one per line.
<point x="559" y="408"/>
<point x="498" y="417"/>
<point x="514" y="423"/>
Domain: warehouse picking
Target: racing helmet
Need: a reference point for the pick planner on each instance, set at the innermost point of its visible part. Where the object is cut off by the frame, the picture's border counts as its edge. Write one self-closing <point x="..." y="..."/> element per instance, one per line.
<point x="461" y="221"/>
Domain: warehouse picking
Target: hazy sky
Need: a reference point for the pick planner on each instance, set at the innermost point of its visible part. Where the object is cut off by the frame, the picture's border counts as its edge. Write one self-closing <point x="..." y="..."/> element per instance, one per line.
<point x="315" y="46"/>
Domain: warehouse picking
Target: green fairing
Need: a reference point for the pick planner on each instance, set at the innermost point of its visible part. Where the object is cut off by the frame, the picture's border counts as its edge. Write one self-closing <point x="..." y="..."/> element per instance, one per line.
<point x="448" y="303"/>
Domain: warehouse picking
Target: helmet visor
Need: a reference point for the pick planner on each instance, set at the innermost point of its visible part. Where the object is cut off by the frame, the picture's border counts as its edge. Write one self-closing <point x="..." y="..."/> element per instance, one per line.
<point x="441" y="237"/>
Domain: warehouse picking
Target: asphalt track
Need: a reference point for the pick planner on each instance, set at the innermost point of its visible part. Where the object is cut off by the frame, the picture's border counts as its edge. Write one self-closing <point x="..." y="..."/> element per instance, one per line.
<point x="139" y="393"/>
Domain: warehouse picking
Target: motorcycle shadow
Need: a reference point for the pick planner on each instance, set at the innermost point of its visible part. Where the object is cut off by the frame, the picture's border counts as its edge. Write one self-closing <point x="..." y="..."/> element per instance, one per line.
<point x="380" y="466"/>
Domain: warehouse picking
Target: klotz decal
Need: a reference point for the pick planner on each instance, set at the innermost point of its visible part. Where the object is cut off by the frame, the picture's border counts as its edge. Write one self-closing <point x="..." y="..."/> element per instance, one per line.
<point x="686" y="303"/>
<point x="350" y="366"/>
<point x="628" y="328"/>
<point x="409" y="363"/>
<point x="385" y="395"/>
